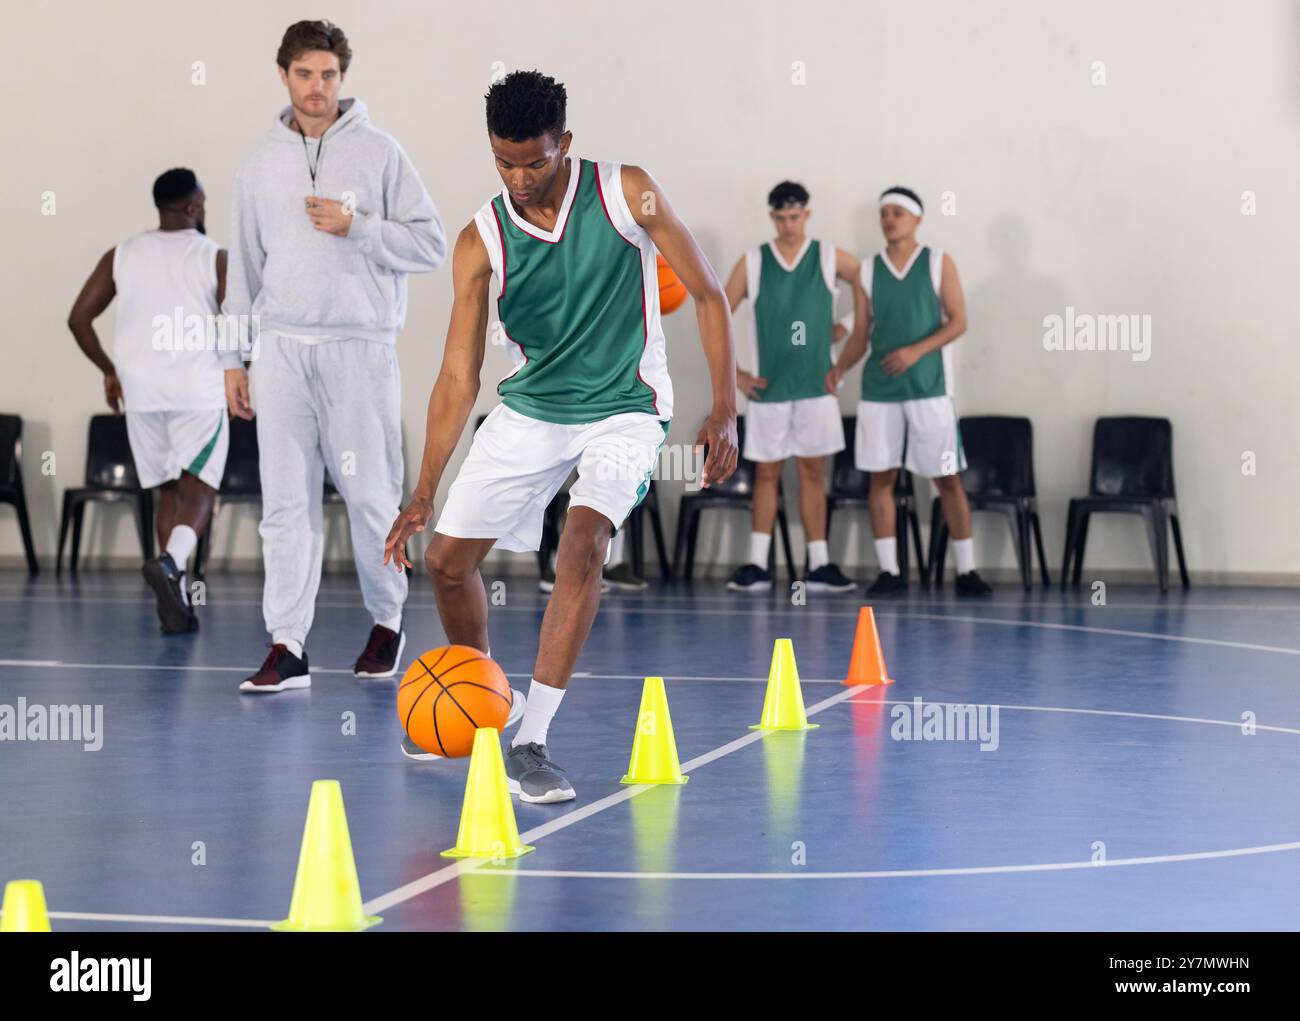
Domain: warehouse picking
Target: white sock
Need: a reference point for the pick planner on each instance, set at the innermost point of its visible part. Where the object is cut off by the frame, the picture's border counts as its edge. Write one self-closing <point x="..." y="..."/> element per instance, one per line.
<point x="759" y="545"/>
<point x="887" y="554"/>
<point x="818" y="555"/>
<point x="293" y="646"/>
<point x="615" y="555"/>
<point x="963" y="551"/>
<point x="392" y="623"/>
<point x="181" y="543"/>
<point x="543" y="703"/>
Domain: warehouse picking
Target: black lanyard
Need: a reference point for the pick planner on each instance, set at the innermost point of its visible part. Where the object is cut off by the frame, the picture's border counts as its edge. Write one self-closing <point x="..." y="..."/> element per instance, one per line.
<point x="311" y="168"/>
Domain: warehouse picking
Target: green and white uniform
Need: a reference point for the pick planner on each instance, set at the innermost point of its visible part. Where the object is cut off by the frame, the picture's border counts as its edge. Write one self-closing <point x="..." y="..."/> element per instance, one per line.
<point x="908" y="420"/>
<point x="792" y="307"/>
<point x="579" y="307"/>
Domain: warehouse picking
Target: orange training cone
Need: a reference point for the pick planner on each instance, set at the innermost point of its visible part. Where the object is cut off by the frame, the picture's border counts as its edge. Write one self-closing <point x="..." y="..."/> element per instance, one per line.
<point x="868" y="663"/>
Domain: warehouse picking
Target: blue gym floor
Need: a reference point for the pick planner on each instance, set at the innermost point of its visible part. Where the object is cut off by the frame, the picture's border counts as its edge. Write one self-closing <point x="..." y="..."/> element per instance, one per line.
<point x="1119" y="728"/>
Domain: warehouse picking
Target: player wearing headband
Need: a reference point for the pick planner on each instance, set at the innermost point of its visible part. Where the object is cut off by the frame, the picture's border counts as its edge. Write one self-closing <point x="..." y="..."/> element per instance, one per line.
<point x="793" y="410"/>
<point x="906" y="416"/>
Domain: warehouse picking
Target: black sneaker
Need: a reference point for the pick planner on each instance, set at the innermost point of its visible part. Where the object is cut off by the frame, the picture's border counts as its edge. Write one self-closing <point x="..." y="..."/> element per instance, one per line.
<point x="383" y="650"/>
<point x="887" y="584"/>
<point x="971" y="584"/>
<point x="828" y="578"/>
<point x="282" y="671"/>
<point x="750" y="578"/>
<point x="622" y="578"/>
<point x="168" y="583"/>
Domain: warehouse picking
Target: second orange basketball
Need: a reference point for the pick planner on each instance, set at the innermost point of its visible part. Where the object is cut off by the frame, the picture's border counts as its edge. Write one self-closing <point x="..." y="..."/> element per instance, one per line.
<point x="447" y="694"/>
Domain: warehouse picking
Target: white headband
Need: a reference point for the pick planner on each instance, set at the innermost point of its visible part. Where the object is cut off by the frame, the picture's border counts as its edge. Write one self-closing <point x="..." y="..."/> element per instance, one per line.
<point x="897" y="198"/>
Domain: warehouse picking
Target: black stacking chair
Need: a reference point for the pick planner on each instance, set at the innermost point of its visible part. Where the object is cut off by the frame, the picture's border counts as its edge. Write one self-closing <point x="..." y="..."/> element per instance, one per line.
<point x="1132" y="473"/>
<point x="737" y="493"/>
<point x="850" y="488"/>
<point x="110" y="478"/>
<point x="999" y="477"/>
<point x="636" y="535"/>
<point x="11" y="481"/>
<point x="240" y="483"/>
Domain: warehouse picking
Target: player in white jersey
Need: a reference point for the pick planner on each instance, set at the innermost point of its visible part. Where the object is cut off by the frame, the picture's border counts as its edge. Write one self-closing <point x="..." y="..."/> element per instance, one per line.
<point x="165" y="367"/>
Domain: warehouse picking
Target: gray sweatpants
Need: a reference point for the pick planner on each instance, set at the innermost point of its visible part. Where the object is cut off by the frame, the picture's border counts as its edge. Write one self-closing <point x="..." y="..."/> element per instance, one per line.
<point x="335" y="403"/>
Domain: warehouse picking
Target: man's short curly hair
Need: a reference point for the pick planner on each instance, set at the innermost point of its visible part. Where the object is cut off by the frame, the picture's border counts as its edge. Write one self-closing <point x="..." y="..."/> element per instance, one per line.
<point x="524" y="105"/>
<point x="305" y="36"/>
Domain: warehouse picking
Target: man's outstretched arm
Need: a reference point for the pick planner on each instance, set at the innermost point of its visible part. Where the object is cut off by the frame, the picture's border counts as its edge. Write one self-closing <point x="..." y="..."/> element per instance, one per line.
<point x="650" y="208"/>
<point x="455" y="390"/>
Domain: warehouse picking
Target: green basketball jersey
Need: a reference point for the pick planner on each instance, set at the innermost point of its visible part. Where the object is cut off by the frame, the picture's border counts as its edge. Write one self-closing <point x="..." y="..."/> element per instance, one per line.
<point x="580" y="303"/>
<point x="905" y="308"/>
<point x="794" y="305"/>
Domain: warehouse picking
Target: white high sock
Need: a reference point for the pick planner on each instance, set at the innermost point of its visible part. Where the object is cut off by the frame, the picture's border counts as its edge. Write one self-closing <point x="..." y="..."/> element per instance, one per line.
<point x="181" y="543"/>
<point x="818" y="554"/>
<point x="887" y="554"/>
<point x="392" y="623"/>
<point x="543" y="703"/>
<point x="759" y="545"/>
<point x="963" y="551"/>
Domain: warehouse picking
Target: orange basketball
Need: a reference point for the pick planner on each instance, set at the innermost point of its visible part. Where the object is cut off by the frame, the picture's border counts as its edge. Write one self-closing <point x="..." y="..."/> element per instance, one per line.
<point x="447" y="694"/>
<point x="672" y="292"/>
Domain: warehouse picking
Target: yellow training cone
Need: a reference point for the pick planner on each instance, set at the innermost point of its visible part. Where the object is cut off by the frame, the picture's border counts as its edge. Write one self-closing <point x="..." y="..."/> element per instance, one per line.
<point x="24" y="907"/>
<point x="783" y="706"/>
<point x="326" y="894"/>
<point x="654" y="749"/>
<point x="487" y="818"/>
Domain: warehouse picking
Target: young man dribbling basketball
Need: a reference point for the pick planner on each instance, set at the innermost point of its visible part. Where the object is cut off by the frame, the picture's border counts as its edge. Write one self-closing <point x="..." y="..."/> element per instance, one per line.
<point x="571" y="243"/>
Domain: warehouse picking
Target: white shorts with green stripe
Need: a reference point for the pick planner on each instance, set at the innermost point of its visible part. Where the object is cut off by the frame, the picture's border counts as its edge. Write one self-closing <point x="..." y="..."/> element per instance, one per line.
<point x="166" y="443"/>
<point x="921" y="436"/>
<point x="517" y="464"/>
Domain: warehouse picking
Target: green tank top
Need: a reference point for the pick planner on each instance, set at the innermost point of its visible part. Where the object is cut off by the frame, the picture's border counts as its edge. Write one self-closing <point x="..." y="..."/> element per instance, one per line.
<point x="577" y="304"/>
<point x="903" y="311"/>
<point x="793" y="313"/>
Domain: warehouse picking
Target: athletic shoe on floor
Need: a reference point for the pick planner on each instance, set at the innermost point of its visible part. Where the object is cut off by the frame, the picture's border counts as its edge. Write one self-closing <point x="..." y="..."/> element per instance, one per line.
<point x="534" y="777"/>
<point x="166" y="580"/>
<point x="887" y="584"/>
<point x="971" y="584"/>
<point x="517" y="705"/>
<point x="750" y="578"/>
<point x="620" y="577"/>
<point x="383" y="650"/>
<point x="828" y="578"/>
<point x="282" y="671"/>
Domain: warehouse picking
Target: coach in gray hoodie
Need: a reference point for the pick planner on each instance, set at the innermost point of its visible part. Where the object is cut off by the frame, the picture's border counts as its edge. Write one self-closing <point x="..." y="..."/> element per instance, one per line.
<point x="329" y="218"/>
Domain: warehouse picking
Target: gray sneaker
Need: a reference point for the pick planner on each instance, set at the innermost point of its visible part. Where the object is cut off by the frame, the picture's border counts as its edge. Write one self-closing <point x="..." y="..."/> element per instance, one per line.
<point x="413" y="751"/>
<point x="534" y="777"/>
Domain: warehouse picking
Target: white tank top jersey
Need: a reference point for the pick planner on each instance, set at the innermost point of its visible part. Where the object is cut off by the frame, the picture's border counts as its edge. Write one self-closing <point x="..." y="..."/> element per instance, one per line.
<point x="164" y="346"/>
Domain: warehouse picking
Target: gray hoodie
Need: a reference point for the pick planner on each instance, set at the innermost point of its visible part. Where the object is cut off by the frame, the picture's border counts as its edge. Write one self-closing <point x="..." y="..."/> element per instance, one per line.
<point x="297" y="279"/>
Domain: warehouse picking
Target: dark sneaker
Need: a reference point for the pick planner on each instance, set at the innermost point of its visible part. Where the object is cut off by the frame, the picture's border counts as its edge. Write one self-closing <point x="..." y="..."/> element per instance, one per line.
<point x="517" y="705"/>
<point x="547" y="584"/>
<point x="168" y="584"/>
<point x="383" y="650"/>
<point x="622" y="578"/>
<point x="750" y="578"/>
<point x="282" y="671"/>
<point x="971" y="584"/>
<point x="828" y="578"/>
<point x="887" y="584"/>
<point x="534" y="777"/>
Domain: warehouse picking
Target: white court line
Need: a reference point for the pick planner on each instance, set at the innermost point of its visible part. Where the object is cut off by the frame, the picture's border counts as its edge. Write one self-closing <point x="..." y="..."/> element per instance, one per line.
<point x="241" y="923"/>
<point x="450" y="872"/>
<point x="977" y="870"/>
<point x="1235" y="724"/>
<point x="56" y="664"/>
